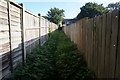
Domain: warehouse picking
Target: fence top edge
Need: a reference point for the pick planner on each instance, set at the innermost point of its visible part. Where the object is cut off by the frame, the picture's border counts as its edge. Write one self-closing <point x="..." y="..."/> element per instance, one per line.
<point x="29" y="12"/>
<point x="87" y="19"/>
<point x="15" y="4"/>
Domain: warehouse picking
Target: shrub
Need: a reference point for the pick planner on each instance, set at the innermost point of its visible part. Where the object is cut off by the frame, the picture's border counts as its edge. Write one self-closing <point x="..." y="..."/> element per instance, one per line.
<point x="70" y="64"/>
<point x="57" y="59"/>
<point x="50" y="30"/>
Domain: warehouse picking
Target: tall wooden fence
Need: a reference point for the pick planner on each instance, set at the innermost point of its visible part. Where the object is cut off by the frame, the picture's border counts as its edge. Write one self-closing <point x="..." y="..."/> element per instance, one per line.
<point x="20" y="32"/>
<point x="98" y="39"/>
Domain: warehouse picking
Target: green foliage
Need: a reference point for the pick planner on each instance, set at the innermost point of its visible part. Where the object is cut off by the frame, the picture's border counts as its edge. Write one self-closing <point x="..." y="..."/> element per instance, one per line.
<point x="50" y="30"/>
<point x="91" y="10"/>
<point x="70" y="64"/>
<point x="55" y="15"/>
<point x="58" y="59"/>
<point x="45" y="17"/>
<point x="114" y="6"/>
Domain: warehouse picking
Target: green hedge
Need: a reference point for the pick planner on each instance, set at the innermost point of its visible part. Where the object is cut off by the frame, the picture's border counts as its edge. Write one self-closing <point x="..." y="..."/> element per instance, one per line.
<point x="58" y="59"/>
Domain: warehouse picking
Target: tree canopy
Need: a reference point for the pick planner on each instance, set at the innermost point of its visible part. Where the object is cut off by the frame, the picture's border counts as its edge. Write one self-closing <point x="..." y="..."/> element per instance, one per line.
<point x="114" y="6"/>
<point x="91" y="10"/>
<point x="55" y="15"/>
<point x="45" y="17"/>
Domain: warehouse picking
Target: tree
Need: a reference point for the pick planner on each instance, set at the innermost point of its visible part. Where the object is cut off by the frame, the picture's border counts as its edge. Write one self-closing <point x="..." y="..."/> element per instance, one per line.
<point x="55" y="15"/>
<point x="91" y="10"/>
<point x="114" y="6"/>
<point x="45" y="17"/>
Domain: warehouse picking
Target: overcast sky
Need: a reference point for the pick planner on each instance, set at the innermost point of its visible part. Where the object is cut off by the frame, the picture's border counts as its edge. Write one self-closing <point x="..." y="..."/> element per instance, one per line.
<point x="71" y="7"/>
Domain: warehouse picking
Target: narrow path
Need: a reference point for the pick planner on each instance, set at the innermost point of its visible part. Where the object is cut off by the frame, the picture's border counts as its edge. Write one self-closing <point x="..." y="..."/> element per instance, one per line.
<point x="58" y="59"/>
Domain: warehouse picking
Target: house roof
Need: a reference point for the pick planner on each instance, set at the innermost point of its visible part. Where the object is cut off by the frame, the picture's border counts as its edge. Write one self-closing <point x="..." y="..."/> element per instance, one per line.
<point x="73" y="20"/>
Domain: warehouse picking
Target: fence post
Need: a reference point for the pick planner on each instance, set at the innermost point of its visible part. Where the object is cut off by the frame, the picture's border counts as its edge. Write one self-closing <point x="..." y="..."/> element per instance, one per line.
<point x="9" y="24"/>
<point x="39" y="28"/>
<point x="23" y="34"/>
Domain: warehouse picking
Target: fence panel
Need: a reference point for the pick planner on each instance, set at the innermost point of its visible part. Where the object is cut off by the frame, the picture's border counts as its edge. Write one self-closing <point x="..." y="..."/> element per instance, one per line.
<point x="16" y="35"/>
<point x="20" y="32"/>
<point x="43" y="21"/>
<point x="98" y="39"/>
<point x="32" y="31"/>
<point x="4" y="40"/>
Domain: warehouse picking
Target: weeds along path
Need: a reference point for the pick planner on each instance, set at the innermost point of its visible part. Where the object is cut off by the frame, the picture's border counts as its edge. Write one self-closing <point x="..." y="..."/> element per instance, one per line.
<point x="57" y="59"/>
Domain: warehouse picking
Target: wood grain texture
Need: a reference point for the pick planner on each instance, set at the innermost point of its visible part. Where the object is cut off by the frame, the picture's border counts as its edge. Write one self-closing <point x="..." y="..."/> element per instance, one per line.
<point x="103" y="31"/>
<point x="117" y="70"/>
<point x="98" y="39"/>
<point x="113" y="45"/>
<point x="12" y="30"/>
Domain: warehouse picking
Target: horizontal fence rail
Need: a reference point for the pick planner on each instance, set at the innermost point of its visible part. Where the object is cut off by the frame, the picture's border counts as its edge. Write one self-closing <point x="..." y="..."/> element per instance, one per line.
<point x="20" y="32"/>
<point x="98" y="39"/>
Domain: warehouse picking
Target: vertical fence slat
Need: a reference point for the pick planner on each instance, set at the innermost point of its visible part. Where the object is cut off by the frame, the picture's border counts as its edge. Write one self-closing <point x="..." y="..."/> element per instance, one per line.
<point x="100" y="46"/>
<point x="94" y="44"/>
<point x="117" y="74"/>
<point x="83" y="37"/>
<point x="80" y="36"/>
<point x="103" y="44"/>
<point x="113" y="43"/>
<point x="77" y="38"/>
<point x="90" y="42"/>
<point x="81" y="29"/>
<point x="107" y="47"/>
<point x="97" y="45"/>
<point x="91" y="46"/>
<point x="75" y="33"/>
<point x="72" y="32"/>
<point x="87" y="44"/>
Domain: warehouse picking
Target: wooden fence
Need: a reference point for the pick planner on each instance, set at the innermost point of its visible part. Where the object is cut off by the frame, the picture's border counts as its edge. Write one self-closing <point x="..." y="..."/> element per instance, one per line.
<point x="98" y="39"/>
<point x="20" y="32"/>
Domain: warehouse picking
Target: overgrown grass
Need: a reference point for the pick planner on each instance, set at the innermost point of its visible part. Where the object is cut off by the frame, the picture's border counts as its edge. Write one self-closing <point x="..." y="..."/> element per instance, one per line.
<point x="58" y="59"/>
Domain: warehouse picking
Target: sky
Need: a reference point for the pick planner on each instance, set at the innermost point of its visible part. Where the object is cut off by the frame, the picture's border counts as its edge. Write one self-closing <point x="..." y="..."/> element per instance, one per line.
<point x="71" y="7"/>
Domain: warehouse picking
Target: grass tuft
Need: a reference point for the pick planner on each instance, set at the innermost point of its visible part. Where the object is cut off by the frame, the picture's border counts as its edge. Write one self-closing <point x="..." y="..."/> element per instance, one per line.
<point x="58" y="59"/>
